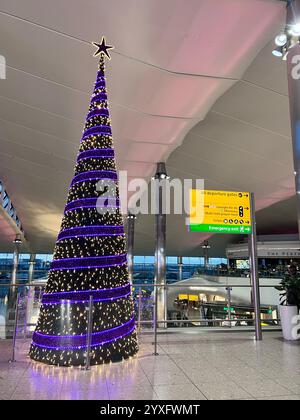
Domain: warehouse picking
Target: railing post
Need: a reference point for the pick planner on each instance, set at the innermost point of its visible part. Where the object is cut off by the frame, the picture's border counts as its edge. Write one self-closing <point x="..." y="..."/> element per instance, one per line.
<point x="166" y="305"/>
<point x="229" y="304"/>
<point x="155" y="320"/>
<point x="40" y="294"/>
<point x="130" y="247"/>
<point x="15" y="330"/>
<point x="89" y="334"/>
<point x="29" y="306"/>
<point x="139" y="308"/>
<point x="26" y="300"/>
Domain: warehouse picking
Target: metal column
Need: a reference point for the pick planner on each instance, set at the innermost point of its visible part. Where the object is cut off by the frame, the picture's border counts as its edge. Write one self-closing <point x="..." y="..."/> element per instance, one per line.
<point x="12" y="295"/>
<point x="180" y="266"/>
<point x="31" y="268"/>
<point x="130" y="244"/>
<point x="160" y="244"/>
<point x="254" y="271"/>
<point x="293" y="60"/>
<point x="206" y="246"/>
<point x="206" y="259"/>
<point x="17" y="243"/>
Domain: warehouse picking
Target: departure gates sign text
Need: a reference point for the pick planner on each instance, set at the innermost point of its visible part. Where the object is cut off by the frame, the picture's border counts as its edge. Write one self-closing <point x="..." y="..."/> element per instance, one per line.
<point x="220" y="212"/>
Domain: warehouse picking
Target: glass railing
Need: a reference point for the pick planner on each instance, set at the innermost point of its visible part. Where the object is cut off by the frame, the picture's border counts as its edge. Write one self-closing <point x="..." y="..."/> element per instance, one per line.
<point x="199" y="306"/>
<point x="22" y="275"/>
<point x="193" y="305"/>
<point x="19" y="304"/>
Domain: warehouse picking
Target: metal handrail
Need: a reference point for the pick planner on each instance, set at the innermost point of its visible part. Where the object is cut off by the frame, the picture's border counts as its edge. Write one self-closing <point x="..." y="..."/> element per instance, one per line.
<point x="172" y="321"/>
<point x="200" y="284"/>
<point x="32" y="284"/>
<point x="154" y="322"/>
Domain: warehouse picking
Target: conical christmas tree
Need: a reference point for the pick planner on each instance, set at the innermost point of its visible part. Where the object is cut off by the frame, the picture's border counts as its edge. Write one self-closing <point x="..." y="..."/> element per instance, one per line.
<point x="89" y="256"/>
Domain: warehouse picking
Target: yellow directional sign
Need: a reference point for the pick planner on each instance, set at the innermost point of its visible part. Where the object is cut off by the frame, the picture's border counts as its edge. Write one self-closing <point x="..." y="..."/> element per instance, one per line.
<point x="220" y="211"/>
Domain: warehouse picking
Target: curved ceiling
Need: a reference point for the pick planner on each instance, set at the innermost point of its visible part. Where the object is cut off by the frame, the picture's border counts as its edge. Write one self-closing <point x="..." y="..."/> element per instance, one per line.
<point x="172" y="61"/>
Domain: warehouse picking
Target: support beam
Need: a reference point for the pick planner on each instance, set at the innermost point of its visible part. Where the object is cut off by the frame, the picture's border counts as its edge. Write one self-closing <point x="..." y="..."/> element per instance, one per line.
<point x="31" y="268"/>
<point x="254" y="272"/>
<point x="13" y="291"/>
<point x="160" y="242"/>
<point x="180" y="266"/>
<point x="206" y="246"/>
<point x="17" y="244"/>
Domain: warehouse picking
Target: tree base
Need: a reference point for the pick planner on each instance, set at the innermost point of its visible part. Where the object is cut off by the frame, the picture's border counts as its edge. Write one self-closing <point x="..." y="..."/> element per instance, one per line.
<point x="117" y="351"/>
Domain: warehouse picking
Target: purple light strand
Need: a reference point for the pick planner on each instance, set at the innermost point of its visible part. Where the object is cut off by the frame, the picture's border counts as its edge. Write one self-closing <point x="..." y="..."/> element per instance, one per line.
<point x="84" y="347"/>
<point x="73" y="302"/>
<point x="92" y="175"/>
<point x="84" y="335"/>
<point x="99" y="97"/>
<point x="88" y="262"/>
<point x="43" y="340"/>
<point x="101" y="112"/>
<point x="107" y="293"/>
<point x="96" y="153"/>
<point x="98" y="202"/>
<point x="97" y="130"/>
<point x="82" y="291"/>
<point x="93" y="230"/>
<point x="99" y="85"/>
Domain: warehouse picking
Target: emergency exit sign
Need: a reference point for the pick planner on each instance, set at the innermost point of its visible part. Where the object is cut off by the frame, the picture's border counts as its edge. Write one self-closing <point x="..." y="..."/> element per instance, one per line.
<point x="220" y="211"/>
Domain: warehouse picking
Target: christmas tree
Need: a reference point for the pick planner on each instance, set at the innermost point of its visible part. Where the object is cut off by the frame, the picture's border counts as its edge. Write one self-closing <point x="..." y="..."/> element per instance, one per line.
<point x="89" y="256"/>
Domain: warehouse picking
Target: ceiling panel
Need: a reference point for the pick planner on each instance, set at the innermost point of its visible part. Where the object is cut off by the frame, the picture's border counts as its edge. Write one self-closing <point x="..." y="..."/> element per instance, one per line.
<point x="39" y="120"/>
<point x="49" y="97"/>
<point x="244" y="137"/>
<point x="146" y="152"/>
<point x="138" y="126"/>
<point x="32" y="156"/>
<point x="275" y="78"/>
<point x="241" y="162"/>
<point x="172" y="34"/>
<point x="258" y="106"/>
<point x="20" y="135"/>
<point x="61" y="87"/>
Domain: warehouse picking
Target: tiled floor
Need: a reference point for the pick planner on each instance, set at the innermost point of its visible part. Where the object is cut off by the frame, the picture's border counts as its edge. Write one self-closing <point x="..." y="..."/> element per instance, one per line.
<point x="189" y="366"/>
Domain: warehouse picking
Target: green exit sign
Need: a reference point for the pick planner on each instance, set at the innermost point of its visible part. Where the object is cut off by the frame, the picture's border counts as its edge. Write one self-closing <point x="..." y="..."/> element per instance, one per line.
<point x="226" y="309"/>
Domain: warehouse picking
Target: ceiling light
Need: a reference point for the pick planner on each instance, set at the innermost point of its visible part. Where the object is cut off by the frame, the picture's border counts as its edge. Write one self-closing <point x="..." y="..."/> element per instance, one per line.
<point x="131" y="216"/>
<point x="281" y="39"/>
<point x="278" y="52"/>
<point x="17" y="240"/>
<point x="295" y="29"/>
<point x="161" y="172"/>
<point x="206" y="245"/>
